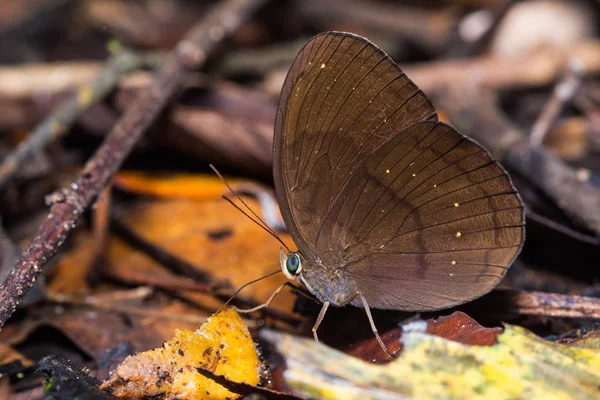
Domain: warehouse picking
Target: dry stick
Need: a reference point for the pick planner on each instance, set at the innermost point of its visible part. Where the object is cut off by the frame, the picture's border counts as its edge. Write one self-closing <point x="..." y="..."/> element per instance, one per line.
<point x="563" y="93"/>
<point x="204" y="280"/>
<point x="245" y="389"/>
<point x="22" y="82"/>
<point x="565" y="230"/>
<point x="172" y="262"/>
<point x="61" y="120"/>
<point x="114" y="303"/>
<point x="495" y="72"/>
<point x="73" y="200"/>
<point x="548" y="304"/>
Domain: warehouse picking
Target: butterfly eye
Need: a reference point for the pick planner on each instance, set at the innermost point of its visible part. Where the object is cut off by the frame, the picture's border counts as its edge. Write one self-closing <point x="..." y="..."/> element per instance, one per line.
<point x="292" y="264"/>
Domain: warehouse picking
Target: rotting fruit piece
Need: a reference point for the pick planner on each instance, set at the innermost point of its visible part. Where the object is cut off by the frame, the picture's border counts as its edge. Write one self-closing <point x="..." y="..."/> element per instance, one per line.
<point x="222" y="345"/>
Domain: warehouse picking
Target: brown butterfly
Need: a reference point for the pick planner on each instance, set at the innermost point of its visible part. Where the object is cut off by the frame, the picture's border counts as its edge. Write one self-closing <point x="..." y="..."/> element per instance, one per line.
<point x="389" y="207"/>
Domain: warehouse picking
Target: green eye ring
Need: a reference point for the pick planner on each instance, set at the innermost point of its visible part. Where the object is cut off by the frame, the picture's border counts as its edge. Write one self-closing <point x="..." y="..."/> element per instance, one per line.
<point x="292" y="263"/>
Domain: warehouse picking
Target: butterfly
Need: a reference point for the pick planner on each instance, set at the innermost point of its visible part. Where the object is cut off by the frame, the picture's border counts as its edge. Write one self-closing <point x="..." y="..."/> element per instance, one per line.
<point x="389" y="207"/>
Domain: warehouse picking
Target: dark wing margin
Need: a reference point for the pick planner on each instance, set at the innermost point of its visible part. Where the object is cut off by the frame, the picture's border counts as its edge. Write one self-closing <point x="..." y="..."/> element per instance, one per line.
<point x="342" y="98"/>
<point x="427" y="221"/>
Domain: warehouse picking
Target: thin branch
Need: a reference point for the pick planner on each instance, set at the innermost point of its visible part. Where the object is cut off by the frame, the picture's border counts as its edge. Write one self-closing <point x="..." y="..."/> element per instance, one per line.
<point x="72" y="201"/>
<point x="113" y="302"/>
<point x="562" y="94"/>
<point x="546" y="304"/>
<point x="565" y="230"/>
<point x="60" y="121"/>
<point x="494" y="72"/>
<point x="245" y="389"/>
<point x="170" y="261"/>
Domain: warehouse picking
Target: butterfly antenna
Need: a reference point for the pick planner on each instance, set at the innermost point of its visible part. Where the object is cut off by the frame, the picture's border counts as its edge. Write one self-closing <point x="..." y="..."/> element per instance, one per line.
<point x="270" y="232"/>
<point x="246" y="285"/>
<point x="262" y="223"/>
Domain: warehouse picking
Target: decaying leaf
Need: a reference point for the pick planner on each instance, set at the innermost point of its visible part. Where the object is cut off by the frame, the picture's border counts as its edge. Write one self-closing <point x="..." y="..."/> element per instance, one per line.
<point x="520" y="365"/>
<point x="182" y="186"/>
<point x="8" y="355"/>
<point x="209" y="234"/>
<point x="457" y="326"/>
<point x="205" y="234"/>
<point x="221" y="345"/>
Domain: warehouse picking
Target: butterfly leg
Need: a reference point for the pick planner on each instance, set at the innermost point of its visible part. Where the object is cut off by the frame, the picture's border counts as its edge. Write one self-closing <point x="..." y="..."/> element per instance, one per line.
<point x="373" y="328"/>
<point x="265" y="304"/>
<point x="319" y="320"/>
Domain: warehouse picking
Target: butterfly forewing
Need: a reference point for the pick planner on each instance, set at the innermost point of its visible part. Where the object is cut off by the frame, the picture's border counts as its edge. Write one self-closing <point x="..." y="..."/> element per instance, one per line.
<point x="416" y="215"/>
<point x="342" y="98"/>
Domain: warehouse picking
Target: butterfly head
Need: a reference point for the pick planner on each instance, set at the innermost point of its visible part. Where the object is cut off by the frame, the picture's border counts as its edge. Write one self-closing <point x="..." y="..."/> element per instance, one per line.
<point x="290" y="263"/>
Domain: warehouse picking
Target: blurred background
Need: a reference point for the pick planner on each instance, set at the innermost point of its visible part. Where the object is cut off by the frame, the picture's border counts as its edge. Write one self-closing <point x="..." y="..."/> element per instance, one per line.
<point x="520" y="77"/>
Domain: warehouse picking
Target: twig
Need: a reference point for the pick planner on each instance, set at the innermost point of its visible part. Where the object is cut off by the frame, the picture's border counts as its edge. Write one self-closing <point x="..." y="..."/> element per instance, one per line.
<point x="73" y="200"/>
<point x="159" y="281"/>
<point x="59" y="122"/>
<point x="23" y="82"/>
<point x="494" y="72"/>
<point x="429" y="28"/>
<point x="565" y="230"/>
<point x="173" y="263"/>
<point x="203" y="281"/>
<point x="114" y="305"/>
<point x="245" y="389"/>
<point x="547" y="304"/>
<point x="563" y="93"/>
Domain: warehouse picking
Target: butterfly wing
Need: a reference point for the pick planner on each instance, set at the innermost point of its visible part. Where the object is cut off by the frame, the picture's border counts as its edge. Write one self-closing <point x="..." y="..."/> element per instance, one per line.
<point x="342" y="98"/>
<point x="367" y="180"/>
<point x="427" y="221"/>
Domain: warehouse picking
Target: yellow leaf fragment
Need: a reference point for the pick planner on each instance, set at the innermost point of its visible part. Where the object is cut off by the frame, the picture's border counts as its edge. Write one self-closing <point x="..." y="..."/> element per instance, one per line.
<point x="222" y="345"/>
<point x="520" y="365"/>
<point x="182" y="186"/>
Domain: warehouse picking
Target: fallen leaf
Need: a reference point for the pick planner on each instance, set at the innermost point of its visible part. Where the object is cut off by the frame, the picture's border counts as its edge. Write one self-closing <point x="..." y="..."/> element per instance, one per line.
<point x="95" y="331"/>
<point x="357" y="339"/>
<point x="182" y="186"/>
<point x="73" y="267"/>
<point x="9" y="355"/>
<point x="213" y="236"/>
<point x="221" y="345"/>
<point x="520" y="365"/>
